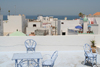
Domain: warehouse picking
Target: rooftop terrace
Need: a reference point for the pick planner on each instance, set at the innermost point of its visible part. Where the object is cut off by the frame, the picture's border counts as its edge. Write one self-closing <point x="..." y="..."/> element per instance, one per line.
<point x="70" y="49"/>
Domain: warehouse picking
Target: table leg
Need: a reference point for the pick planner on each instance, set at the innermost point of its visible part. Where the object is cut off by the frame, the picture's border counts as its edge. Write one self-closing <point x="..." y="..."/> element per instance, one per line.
<point x="38" y="62"/>
<point x="16" y="63"/>
<point x="28" y="63"/>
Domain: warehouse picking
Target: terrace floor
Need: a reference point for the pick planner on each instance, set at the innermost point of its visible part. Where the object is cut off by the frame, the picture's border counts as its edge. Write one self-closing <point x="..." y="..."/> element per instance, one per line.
<point x="68" y="56"/>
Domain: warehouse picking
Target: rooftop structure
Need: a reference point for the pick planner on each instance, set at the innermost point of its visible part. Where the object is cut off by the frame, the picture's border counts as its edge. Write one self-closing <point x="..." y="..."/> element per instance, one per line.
<point x="13" y="23"/>
<point x="97" y="13"/>
<point x="1" y="25"/>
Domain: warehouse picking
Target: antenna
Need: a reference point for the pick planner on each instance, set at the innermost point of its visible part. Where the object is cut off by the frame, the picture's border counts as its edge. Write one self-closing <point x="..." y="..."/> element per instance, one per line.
<point x="15" y="9"/>
<point x="0" y="10"/>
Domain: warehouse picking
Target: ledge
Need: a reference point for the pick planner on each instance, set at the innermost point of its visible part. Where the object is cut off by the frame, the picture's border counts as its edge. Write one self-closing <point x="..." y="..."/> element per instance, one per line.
<point x="98" y="49"/>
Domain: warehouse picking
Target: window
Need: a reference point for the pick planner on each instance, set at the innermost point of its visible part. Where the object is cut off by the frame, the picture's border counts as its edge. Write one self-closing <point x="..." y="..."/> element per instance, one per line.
<point x="63" y="33"/>
<point x="34" y="25"/>
<point x="62" y="22"/>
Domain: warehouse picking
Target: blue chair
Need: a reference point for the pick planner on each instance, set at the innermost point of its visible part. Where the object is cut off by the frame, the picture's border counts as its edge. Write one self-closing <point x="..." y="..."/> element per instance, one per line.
<point x="50" y="62"/>
<point x="30" y="45"/>
<point x="89" y="56"/>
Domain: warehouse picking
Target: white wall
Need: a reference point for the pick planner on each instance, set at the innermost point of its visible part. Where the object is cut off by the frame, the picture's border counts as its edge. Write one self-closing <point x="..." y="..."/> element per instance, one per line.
<point x="30" y="27"/>
<point x="68" y="24"/>
<point x="13" y="23"/>
<point x="24" y="24"/>
<point x="1" y="25"/>
<point x="94" y="28"/>
<point x="30" y="24"/>
<point x="70" y="40"/>
<point x="98" y="22"/>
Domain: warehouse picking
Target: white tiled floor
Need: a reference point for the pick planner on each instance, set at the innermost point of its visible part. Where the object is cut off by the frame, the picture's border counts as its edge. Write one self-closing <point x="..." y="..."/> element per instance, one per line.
<point x="64" y="59"/>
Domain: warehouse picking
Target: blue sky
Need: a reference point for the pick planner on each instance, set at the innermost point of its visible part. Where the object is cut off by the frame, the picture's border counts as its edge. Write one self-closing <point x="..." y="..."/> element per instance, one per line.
<point x="50" y="7"/>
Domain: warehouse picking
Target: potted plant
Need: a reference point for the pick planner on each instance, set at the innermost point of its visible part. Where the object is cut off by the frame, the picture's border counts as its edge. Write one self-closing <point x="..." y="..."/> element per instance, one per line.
<point x="93" y="46"/>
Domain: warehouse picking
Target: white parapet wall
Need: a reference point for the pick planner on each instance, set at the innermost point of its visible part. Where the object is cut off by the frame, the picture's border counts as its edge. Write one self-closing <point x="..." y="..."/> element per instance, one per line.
<point x="72" y="40"/>
<point x="48" y="43"/>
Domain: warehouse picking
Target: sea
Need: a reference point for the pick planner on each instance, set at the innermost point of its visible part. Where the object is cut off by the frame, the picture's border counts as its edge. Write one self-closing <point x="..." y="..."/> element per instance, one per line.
<point x="54" y="16"/>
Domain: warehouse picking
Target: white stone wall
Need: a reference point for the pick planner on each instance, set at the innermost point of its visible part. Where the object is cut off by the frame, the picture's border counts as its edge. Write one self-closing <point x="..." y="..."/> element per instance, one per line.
<point x="1" y="25"/>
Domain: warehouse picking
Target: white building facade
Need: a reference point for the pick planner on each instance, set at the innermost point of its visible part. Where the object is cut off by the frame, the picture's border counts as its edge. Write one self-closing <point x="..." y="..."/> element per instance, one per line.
<point x="1" y="25"/>
<point x="64" y="25"/>
<point x="16" y="22"/>
<point x="32" y="26"/>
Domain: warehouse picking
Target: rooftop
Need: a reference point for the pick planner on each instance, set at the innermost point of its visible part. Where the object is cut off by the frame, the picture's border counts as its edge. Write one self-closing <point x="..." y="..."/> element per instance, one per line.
<point x="70" y="49"/>
<point x="97" y="13"/>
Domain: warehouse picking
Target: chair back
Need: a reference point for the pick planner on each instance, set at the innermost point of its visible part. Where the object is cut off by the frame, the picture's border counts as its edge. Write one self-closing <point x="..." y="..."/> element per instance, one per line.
<point x="54" y="56"/>
<point x="30" y="43"/>
<point x="87" y="47"/>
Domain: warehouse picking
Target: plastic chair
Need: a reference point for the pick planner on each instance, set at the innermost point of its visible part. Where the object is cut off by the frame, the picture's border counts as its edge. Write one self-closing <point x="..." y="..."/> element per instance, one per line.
<point x="50" y="62"/>
<point x="89" y="56"/>
<point x="30" y="45"/>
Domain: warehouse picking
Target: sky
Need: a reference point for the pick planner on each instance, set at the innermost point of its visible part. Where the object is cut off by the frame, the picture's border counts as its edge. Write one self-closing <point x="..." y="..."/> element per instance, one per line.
<point x="49" y="7"/>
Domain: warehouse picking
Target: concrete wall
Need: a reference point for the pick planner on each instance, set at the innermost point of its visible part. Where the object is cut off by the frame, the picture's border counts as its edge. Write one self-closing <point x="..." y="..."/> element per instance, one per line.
<point x="1" y="25"/>
<point x="98" y="22"/>
<point x="30" y="27"/>
<point x="13" y="23"/>
<point x="72" y="32"/>
<point x="24" y="24"/>
<point x="30" y="24"/>
<point x="68" y="24"/>
<point x="94" y="28"/>
<point x="73" y="40"/>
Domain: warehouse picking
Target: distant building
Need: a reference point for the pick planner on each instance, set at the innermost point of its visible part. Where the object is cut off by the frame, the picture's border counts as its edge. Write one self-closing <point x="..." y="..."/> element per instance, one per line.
<point x="37" y="28"/>
<point x="46" y="19"/>
<point x="15" y="22"/>
<point x="97" y="13"/>
<point x="32" y="26"/>
<point x="1" y="25"/>
<point x="42" y="26"/>
<point x="64" y="25"/>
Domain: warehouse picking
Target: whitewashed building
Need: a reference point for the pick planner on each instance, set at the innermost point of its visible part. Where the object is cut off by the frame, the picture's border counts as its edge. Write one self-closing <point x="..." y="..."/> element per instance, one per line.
<point x="94" y="21"/>
<point x="1" y="25"/>
<point x="64" y="25"/>
<point x="15" y="22"/>
<point x="46" y="19"/>
<point x="32" y="26"/>
<point x="42" y="24"/>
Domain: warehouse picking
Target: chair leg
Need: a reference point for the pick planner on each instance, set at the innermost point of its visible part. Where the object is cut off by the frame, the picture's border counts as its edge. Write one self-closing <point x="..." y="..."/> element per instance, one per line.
<point x="96" y="60"/>
<point x="27" y="50"/>
<point x="92" y="61"/>
<point x="85" y="60"/>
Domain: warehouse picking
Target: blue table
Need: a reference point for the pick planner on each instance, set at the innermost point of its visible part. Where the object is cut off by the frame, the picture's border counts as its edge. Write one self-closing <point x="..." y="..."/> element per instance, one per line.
<point x="25" y="56"/>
